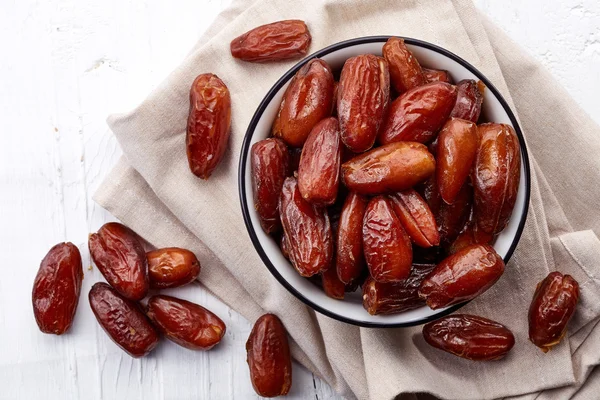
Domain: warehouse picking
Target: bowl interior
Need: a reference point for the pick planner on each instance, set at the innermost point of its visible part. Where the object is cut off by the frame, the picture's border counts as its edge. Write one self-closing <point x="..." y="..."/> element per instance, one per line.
<point x="350" y="309"/>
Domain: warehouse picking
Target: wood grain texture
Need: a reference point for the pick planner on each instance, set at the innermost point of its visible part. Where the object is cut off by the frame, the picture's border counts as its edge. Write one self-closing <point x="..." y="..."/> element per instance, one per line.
<point x="66" y="65"/>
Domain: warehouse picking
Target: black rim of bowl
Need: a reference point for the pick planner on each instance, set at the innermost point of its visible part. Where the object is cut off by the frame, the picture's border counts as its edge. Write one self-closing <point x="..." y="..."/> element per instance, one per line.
<point x="246" y="147"/>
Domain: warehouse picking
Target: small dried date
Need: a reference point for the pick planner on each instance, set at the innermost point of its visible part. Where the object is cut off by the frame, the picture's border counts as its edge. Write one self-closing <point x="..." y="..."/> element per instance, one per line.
<point x="123" y="320"/>
<point x="276" y="41"/>
<point x="405" y="71"/>
<point x="319" y="170"/>
<point x="332" y="286"/>
<point x="307" y="100"/>
<point x="307" y="231"/>
<point x="496" y="176"/>
<point x="208" y="124"/>
<point x="120" y="257"/>
<point x="458" y="143"/>
<point x="268" y="357"/>
<point x="417" y="115"/>
<point x="462" y="276"/>
<point x="172" y="267"/>
<point x="469" y="100"/>
<point x="469" y="336"/>
<point x="363" y="97"/>
<point x="350" y="258"/>
<point x="416" y="218"/>
<point x="390" y="168"/>
<point x="386" y="245"/>
<point x="269" y="161"/>
<point x="395" y="297"/>
<point x="436" y="75"/>
<point x="185" y="323"/>
<point x="554" y="303"/>
<point x="56" y="289"/>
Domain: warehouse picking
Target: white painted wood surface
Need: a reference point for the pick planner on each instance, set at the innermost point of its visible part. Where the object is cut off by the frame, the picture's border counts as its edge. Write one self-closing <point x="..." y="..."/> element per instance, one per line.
<point x="67" y="64"/>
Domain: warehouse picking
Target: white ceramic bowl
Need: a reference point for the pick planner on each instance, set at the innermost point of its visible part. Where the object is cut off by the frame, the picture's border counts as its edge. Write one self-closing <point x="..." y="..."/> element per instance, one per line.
<point x="350" y="309"/>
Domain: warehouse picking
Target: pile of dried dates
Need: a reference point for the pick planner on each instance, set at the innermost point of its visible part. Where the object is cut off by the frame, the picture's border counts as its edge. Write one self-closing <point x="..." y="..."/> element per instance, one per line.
<point x="382" y="178"/>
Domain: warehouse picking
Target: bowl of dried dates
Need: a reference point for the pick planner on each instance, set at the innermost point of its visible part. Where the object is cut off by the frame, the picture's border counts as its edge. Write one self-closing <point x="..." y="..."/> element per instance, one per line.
<point x="384" y="181"/>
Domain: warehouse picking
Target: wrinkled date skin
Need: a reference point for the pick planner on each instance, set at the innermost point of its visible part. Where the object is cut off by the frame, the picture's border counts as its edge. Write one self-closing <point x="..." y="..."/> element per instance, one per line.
<point x="436" y="75"/>
<point x="307" y="231"/>
<point x="462" y="276"/>
<point x="363" y="97"/>
<point x="269" y="160"/>
<point x="417" y="115"/>
<point x="416" y="218"/>
<point x="450" y="218"/>
<point x="56" y="289"/>
<point x="390" y="168"/>
<point x="496" y="176"/>
<point x="469" y="336"/>
<point x="457" y="147"/>
<point x="123" y="320"/>
<point x="185" y="323"/>
<point x="208" y="124"/>
<point x="469" y="100"/>
<point x="279" y="40"/>
<point x="284" y="247"/>
<point x="319" y="170"/>
<point x="307" y="100"/>
<point x="350" y="258"/>
<point x="553" y="305"/>
<point x="387" y="247"/>
<point x="268" y="356"/>
<point x="332" y="285"/>
<point x="395" y="297"/>
<point x="121" y="258"/>
<point x="405" y="71"/>
<point x="171" y="267"/>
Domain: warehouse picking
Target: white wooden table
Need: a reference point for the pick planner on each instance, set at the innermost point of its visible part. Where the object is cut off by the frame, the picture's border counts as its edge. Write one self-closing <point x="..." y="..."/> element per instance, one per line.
<point x="67" y="64"/>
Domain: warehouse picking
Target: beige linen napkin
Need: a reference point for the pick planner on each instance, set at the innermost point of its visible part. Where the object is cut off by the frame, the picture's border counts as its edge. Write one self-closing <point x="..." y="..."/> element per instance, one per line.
<point x="153" y="192"/>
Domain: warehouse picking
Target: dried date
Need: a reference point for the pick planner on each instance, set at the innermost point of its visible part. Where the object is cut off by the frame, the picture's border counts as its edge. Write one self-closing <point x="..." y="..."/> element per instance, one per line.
<point x="120" y="257"/>
<point x="350" y="257"/>
<point x="416" y="218"/>
<point x="56" y="289"/>
<point x="268" y="357"/>
<point x="185" y="323"/>
<point x="172" y="267"/>
<point x="436" y="75"/>
<point x="469" y="336"/>
<point x="469" y="100"/>
<point x="405" y="71"/>
<point x="208" y="125"/>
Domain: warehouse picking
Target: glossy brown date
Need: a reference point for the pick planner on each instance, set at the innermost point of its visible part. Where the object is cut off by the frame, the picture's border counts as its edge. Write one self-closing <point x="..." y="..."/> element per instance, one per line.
<point x="208" y="124"/>
<point x="496" y="176"/>
<point x="185" y="323"/>
<point x="390" y="168"/>
<point x="268" y="357"/>
<point x="405" y="71"/>
<point x="307" y="100"/>
<point x="417" y="115"/>
<point x="123" y="320"/>
<point x="436" y="75"/>
<point x="319" y="170"/>
<point x="269" y="160"/>
<point x="395" y="297"/>
<point x="307" y="231"/>
<point x="350" y="261"/>
<point x="554" y="303"/>
<point x="56" y="289"/>
<point x="469" y="100"/>
<point x="469" y="336"/>
<point x="458" y="143"/>
<point x="171" y="267"/>
<point x="363" y="97"/>
<point x="386" y="245"/>
<point x="120" y="257"/>
<point x="276" y="41"/>
<point x="416" y="218"/>
<point x="462" y="276"/>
